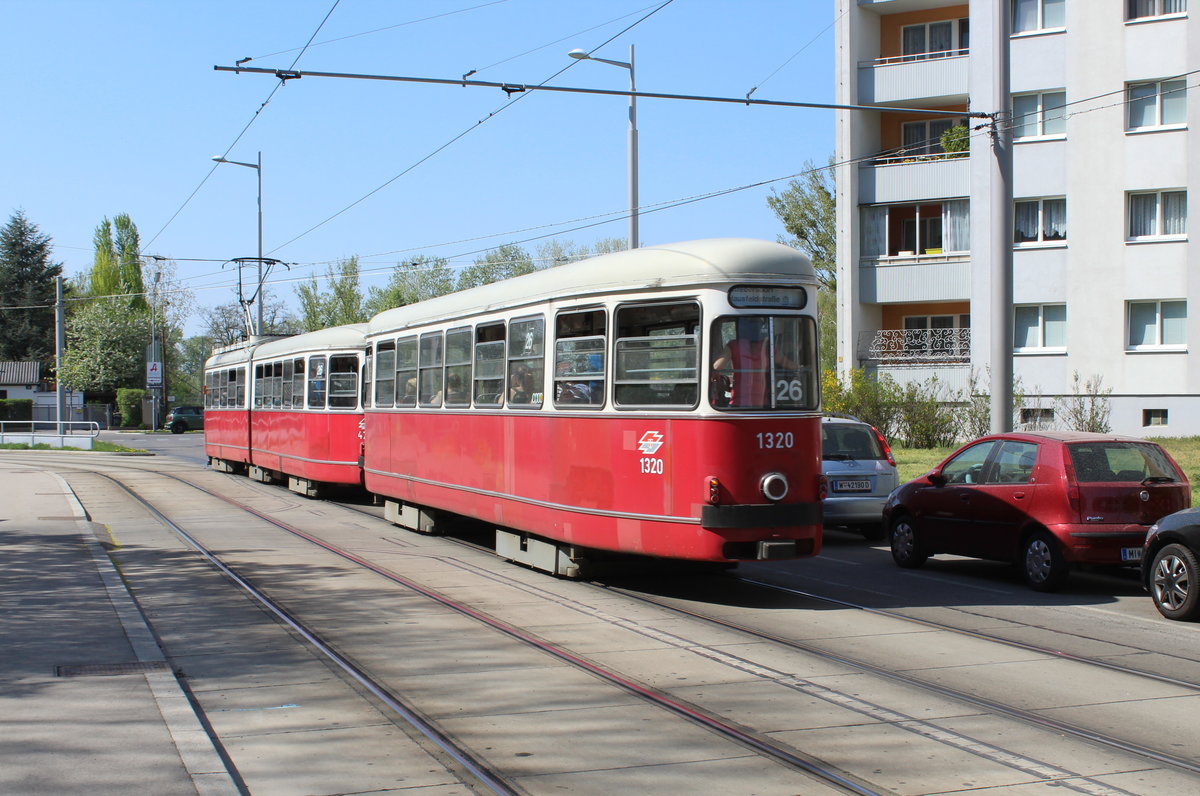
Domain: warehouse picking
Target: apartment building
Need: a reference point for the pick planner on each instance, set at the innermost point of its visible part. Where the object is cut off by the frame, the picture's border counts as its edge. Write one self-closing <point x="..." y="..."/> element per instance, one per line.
<point x="1105" y="280"/>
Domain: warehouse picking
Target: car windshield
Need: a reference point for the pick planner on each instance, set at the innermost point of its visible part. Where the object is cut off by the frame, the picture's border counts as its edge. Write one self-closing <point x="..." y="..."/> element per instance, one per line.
<point x="1116" y="460"/>
<point x="849" y="441"/>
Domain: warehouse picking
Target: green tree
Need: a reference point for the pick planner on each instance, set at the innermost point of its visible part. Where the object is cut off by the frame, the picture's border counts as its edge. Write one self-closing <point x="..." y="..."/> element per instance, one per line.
<point x="342" y="303"/>
<point x="503" y="262"/>
<point x="187" y="376"/>
<point x="106" y="346"/>
<point x="808" y="210"/>
<point x="27" y="278"/>
<point x="423" y="278"/>
<point x="117" y="262"/>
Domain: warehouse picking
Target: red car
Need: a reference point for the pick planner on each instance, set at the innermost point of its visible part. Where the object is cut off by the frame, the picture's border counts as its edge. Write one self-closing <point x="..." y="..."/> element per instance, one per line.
<point x="1047" y="500"/>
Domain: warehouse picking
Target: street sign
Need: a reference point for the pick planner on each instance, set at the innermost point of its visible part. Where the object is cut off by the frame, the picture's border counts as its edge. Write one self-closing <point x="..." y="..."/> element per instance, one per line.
<point x="154" y="374"/>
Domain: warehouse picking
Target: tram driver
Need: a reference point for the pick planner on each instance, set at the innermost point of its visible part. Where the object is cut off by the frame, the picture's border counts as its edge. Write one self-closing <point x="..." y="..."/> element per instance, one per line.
<point x="741" y="372"/>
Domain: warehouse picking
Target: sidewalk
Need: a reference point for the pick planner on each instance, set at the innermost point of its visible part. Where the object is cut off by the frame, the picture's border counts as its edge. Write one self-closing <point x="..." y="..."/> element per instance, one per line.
<point x="87" y="702"/>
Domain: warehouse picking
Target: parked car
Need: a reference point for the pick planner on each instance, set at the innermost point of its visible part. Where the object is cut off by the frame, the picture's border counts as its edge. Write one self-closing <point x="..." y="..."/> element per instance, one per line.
<point x="185" y="418"/>
<point x="1170" y="568"/>
<point x="1045" y="500"/>
<point x="859" y="473"/>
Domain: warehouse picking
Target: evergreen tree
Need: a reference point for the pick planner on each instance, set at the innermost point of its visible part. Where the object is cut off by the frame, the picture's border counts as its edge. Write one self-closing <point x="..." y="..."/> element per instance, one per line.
<point x="27" y="278"/>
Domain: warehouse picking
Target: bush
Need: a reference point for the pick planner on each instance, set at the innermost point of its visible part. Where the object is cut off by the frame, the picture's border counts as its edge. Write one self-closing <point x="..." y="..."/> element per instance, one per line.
<point x="930" y="414"/>
<point x="129" y="404"/>
<point x="16" y="409"/>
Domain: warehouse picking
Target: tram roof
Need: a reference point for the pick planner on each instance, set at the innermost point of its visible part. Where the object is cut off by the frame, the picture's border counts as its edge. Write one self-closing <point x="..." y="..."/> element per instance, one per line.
<point x="349" y="336"/>
<point x="671" y="265"/>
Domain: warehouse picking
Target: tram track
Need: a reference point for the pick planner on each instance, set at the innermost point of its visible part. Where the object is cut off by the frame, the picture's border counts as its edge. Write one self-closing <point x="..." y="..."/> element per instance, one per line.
<point x="1032" y="766"/>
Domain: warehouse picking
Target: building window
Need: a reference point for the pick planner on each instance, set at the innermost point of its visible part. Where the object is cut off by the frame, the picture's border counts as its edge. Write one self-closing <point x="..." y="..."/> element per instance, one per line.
<point x="1036" y="417"/>
<point x="934" y="39"/>
<point x="909" y="230"/>
<point x="1156" y="324"/>
<point x="1040" y="221"/>
<point x="1140" y="9"/>
<point x="1157" y="214"/>
<point x="1031" y="15"/>
<point x="937" y="335"/>
<point x="1039" y="115"/>
<point x="1154" y="417"/>
<point x="1038" y="327"/>
<point x="1156" y="104"/>
<point x="925" y="137"/>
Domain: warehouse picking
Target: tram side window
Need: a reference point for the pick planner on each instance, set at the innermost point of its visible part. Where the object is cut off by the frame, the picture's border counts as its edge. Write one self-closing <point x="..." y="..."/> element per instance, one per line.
<point x="235" y="385"/>
<point x="287" y="383"/>
<point x="260" y="387"/>
<point x="298" y="383"/>
<point x="343" y="381"/>
<point x="527" y="363"/>
<point x="219" y="390"/>
<point x="406" y="371"/>
<point x="579" y="365"/>
<point x="316" y="382"/>
<point x="385" y="373"/>
<point x="458" y="367"/>
<point x="430" y="374"/>
<point x="764" y="362"/>
<point x="277" y="384"/>
<point x="223" y="392"/>
<point x="657" y="355"/>
<point x="364" y="383"/>
<point x="489" y="365"/>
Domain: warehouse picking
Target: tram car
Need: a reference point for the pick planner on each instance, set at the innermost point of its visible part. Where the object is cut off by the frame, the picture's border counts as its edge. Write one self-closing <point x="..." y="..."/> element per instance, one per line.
<point x="662" y="401"/>
<point x="288" y="409"/>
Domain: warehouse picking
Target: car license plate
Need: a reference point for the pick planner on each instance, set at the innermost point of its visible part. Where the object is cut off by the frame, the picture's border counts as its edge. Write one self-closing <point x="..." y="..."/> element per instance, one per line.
<point x="1131" y="554"/>
<point x="852" y="486"/>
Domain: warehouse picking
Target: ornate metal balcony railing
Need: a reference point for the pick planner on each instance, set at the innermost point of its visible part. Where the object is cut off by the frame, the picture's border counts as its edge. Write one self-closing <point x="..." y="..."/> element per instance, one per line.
<point x="899" y="346"/>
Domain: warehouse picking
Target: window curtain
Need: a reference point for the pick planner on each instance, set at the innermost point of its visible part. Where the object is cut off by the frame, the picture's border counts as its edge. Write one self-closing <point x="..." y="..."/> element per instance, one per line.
<point x="1025" y="222"/>
<point x="956" y="225"/>
<point x="1054" y="219"/>
<point x="1174" y="102"/>
<point x="1174" y="6"/>
<point x="1175" y="213"/>
<point x="1143" y="212"/>
<point x="941" y="37"/>
<point x="873" y="221"/>
<point x="1143" y="323"/>
<point x="1025" y="15"/>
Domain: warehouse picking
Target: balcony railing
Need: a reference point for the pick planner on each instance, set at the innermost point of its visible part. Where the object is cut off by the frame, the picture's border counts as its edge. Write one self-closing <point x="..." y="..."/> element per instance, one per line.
<point x="901" y="346"/>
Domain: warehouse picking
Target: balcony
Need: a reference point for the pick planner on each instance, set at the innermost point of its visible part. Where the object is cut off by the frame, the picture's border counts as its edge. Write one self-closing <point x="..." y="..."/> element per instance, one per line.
<point x="914" y="179"/>
<point x="915" y="278"/>
<point x="928" y="79"/>
<point x="916" y="355"/>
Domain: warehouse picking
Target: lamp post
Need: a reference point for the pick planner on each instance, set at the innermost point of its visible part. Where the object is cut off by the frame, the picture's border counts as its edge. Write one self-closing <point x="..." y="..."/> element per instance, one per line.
<point x="583" y="55"/>
<point x="261" y="292"/>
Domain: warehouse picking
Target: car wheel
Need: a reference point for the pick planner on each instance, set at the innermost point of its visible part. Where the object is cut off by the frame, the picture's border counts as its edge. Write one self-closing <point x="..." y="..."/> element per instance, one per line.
<point x="906" y="546"/>
<point x="873" y="531"/>
<point x="178" y="427"/>
<point x="1172" y="578"/>
<point x="1044" y="566"/>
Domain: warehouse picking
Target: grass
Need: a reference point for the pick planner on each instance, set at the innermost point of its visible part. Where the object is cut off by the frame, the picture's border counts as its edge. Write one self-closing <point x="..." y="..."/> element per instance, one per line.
<point x="97" y="445"/>
<point x="914" y="462"/>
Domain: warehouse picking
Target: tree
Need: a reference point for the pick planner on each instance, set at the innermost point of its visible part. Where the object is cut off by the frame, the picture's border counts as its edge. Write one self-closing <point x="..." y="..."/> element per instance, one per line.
<point x="808" y="211"/>
<point x="187" y="378"/>
<point x="423" y="278"/>
<point x="226" y="323"/>
<point x="341" y="304"/>
<point x="27" y="292"/>
<point x="117" y="262"/>
<point x="503" y="262"/>
<point x="106" y="346"/>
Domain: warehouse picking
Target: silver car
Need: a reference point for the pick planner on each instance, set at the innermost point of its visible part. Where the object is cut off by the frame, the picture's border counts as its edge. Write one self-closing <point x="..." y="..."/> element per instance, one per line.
<point x="859" y="473"/>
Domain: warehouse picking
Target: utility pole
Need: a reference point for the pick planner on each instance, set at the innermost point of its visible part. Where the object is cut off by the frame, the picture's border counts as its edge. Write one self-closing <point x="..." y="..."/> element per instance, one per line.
<point x="60" y="342"/>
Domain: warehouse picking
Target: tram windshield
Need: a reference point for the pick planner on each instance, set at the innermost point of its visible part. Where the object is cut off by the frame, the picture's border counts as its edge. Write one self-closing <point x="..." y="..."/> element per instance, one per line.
<point x="764" y="362"/>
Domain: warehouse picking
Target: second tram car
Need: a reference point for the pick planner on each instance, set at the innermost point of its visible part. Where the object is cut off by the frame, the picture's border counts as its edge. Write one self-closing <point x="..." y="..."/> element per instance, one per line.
<point x="661" y="401"/>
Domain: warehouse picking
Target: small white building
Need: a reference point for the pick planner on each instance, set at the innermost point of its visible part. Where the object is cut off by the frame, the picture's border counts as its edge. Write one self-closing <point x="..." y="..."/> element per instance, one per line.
<point x="23" y="380"/>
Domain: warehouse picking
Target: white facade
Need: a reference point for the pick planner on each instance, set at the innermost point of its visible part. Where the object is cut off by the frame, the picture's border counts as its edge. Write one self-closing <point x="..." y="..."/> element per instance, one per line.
<point x="1104" y="276"/>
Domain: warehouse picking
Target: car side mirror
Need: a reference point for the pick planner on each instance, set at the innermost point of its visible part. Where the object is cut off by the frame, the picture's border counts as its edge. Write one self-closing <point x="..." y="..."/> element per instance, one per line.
<point x="937" y="478"/>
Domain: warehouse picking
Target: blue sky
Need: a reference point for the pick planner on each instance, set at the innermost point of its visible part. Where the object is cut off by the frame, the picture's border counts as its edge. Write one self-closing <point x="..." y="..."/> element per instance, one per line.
<point x="115" y="107"/>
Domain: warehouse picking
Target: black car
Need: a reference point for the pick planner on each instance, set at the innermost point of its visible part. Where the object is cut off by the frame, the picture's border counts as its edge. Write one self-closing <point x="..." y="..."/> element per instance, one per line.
<point x="1171" y="567"/>
<point x="185" y="418"/>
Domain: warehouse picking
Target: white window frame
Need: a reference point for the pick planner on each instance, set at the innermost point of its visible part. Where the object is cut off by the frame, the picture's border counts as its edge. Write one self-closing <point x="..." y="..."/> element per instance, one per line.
<point x="1040" y="347"/>
<point x="1157" y="344"/>
<point x="956" y="40"/>
<point x="1159" y="217"/>
<point x="1158" y="123"/>
<point x="1040" y="26"/>
<point x="1155" y="9"/>
<point x="1040" y="116"/>
<point x="1041" y="241"/>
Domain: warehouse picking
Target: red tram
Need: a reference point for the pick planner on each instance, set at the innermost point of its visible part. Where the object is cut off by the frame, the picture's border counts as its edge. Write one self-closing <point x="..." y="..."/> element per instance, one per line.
<point x="288" y="408"/>
<point x="661" y="401"/>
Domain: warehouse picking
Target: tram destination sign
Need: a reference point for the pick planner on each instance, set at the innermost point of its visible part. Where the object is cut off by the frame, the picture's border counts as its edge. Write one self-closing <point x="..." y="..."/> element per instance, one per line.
<point x="791" y="298"/>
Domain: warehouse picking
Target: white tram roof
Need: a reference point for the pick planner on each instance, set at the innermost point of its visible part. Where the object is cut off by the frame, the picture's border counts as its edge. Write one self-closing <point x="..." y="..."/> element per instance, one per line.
<point x="348" y="337"/>
<point x="672" y="265"/>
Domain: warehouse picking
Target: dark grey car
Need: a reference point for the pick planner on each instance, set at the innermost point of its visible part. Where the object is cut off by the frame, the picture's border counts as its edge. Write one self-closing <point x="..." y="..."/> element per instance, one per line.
<point x="859" y="472"/>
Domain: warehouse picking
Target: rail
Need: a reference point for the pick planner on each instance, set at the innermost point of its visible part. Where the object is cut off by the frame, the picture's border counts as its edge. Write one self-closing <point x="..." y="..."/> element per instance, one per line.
<point x="57" y="428"/>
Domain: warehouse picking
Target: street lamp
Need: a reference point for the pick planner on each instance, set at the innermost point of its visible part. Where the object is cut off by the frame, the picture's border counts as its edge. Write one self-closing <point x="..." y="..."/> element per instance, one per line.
<point x="261" y="292"/>
<point x="583" y="55"/>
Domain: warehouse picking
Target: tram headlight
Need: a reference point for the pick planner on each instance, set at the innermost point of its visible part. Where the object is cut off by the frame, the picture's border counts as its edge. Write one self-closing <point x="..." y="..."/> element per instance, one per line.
<point x="774" y="486"/>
